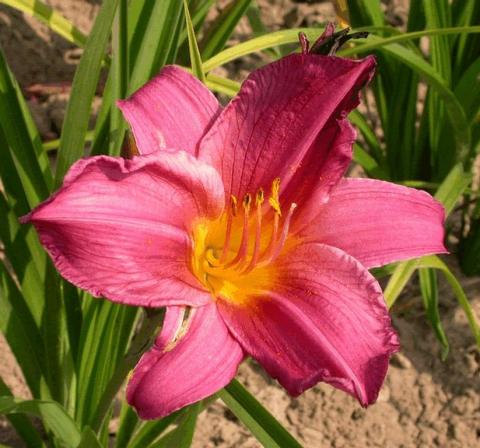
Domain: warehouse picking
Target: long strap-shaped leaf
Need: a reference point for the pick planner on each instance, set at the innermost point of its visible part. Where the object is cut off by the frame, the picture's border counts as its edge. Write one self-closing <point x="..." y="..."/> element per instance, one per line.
<point x="195" y="58"/>
<point x="268" y="431"/>
<point x="83" y="89"/>
<point x="291" y="36"/>
<point x="55" y="21"/>
<point x="52" y="414"/>
<point x="22" y="423"/>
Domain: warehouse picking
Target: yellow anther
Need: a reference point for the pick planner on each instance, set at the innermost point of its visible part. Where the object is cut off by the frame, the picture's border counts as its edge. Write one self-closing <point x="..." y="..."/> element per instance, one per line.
<point x="233" y="203"/>
<point x="260" y="197"/>
<point x="274" y="199"/>
<point x="247" y="201"/>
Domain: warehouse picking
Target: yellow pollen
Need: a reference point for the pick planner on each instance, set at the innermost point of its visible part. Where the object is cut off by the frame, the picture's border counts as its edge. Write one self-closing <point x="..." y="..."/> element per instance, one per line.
<point x="233" y="203"/>
<point x="274" y="199"/>
<point x="233" y="256"/>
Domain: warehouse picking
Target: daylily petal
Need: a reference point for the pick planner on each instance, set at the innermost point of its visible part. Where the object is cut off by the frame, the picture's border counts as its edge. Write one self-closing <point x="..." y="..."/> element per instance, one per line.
<point x="324" y="165"/>
<point x="172" y="110"/>
<point x="267" y="129"/>
<point x="379" y="222"/>
<point x="200" y="359"/>
<point x="324" y="320"/>
<point x="120" y="228"/>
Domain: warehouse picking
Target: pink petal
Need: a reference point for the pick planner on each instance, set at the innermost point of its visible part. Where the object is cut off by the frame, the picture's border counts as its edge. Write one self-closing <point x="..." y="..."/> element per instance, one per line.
<point x="379" y="222"/>
<point x="120" y="228"/>
<point x="324" y="166"/>
<point x="173" y="110"/>
<point x="198" y="361"/>
<point x="324" y="320"/>
<point x="267" y="130"/>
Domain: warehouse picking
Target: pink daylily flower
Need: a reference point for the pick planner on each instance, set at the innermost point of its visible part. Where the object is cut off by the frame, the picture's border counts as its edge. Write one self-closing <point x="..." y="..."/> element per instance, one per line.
<point x="239" y="221"/>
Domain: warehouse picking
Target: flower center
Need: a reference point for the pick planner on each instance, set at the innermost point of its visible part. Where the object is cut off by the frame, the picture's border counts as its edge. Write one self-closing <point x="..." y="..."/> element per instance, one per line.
<point x="233" y="255"/>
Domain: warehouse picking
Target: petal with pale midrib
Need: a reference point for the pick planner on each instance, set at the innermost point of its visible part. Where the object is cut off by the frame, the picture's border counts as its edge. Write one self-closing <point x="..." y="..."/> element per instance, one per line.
<point x="323" y="320"/>
<point x="174" y="110"/>
<point x="121" y="228"/>
<point x="201" y="362"/>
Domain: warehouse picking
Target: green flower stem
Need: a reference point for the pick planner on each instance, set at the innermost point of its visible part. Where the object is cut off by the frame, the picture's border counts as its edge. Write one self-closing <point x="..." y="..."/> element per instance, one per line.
<point x="139" y="344"/>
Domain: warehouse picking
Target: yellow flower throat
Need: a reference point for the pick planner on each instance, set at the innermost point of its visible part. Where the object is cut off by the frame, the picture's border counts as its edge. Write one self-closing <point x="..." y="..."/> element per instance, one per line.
<point x="233" y="255"/>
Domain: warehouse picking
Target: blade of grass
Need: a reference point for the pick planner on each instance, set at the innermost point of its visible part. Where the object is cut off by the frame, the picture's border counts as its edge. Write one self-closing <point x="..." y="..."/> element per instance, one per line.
<point x="52" y="414"/>
<point x="368" y="163"/>
<point x="23" y="335"/>
<point x="453" y="187"/>
<point x="222" y="27"/>
<point x="429" y="290"/>
<point x="155" y="45"/>
<point x="182" y="435"/>
<point x="54" y="20"/>
<point x="30" y="160"/>
<point x="83" y="89"/>
<point x="291" y="36"/>
<point x="120" y="74"/>
<point x="195" y="58"/>
<point x="434" y="262"/>
<point x="127" y="425"/>
<point x="150" y="431"/>
<point x="21" y="423"/>
<point x="89" y="439"/>
<point x="222" y="85"/>
<point x="268" y="431"/>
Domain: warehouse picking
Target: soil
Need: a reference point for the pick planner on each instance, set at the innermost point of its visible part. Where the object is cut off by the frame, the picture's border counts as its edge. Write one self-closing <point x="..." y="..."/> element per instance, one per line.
<point x="425" y="402"/>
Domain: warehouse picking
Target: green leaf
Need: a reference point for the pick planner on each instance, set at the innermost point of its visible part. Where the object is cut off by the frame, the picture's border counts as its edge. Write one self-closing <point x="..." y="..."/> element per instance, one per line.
<point x="454" y="108"/>
<point x="127" y="425"/>
<point x="31" y="162"/>
<point x="291" y="36"/>
<point x="221" y="28"/>
<point x="52" y="414"/>
<point x="21" y="423"/>
<point x="22" y="334"/>
<point x="453" y="187"/>
<point x="150" y="431"/>
<point x="156" y="41"/>
<point x="429" y="290"/>
<point x="470" y="249"/>
<point x="434" y="262"/>
<point x="222" y="85"/>
<point x="368" y="163"/>
<point x="468" y="90"/>
<point x="268" y="431"/>
<point x="182" y="435"/>
<point x="399" y="279"/>
<point x="366" y="12"/>
<point x="371" y="140"/>
<point x="83" y="90"/>
<point x="89" y="439"/>
<point x="55" y="21"/>
<point x="195" y="58"/>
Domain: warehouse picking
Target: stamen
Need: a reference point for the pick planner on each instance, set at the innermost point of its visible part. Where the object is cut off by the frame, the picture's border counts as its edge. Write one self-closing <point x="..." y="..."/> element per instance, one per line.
<point x="228" y="232"/>
<point x="242" y="251"/>
<point x="277" y="248"/>
<point x="258" y="231"/>
<point x="274" y="198"/>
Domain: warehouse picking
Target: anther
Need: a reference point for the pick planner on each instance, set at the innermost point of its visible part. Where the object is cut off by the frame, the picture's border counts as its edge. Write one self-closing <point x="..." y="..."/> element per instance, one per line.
<point x="233" y="203"/>
<point x="274" y="198"/>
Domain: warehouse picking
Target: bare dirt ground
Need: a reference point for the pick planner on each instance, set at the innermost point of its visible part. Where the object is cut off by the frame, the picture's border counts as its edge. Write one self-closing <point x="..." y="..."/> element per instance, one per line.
<point x="425" y="402"/>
